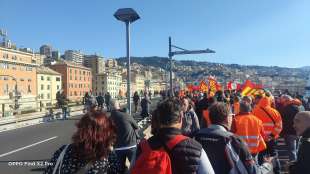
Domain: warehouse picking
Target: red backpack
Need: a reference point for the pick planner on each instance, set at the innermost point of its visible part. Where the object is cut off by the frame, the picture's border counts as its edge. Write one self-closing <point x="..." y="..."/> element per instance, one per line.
<point x="155" y="161"/>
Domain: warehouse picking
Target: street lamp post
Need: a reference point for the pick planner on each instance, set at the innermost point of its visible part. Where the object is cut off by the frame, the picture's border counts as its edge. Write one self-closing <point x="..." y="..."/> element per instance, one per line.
<point x="182" y="52"/>
<point x="127" y="15"/>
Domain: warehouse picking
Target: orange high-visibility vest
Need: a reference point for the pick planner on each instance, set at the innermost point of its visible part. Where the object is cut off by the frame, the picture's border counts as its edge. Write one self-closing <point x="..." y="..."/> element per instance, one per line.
<point x="270" y="117"/>
<point x="250" y="129"/>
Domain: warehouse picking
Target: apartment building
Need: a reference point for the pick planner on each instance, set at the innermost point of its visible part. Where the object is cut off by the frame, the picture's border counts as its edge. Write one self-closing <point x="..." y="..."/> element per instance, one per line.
<point x="76" y="79"/>
<point x="17" y="72"/>
<point x="74" y="56"/>
<point x="109" y="82"/>
<point x="97" y="65"/>
<point x="48" y="83"/>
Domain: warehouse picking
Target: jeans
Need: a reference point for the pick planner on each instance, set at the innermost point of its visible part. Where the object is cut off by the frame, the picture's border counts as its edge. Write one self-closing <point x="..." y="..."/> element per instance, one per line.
<point x="291" y="142"/>
<point x="64" y="112"/>
<point x="123" y="154"/>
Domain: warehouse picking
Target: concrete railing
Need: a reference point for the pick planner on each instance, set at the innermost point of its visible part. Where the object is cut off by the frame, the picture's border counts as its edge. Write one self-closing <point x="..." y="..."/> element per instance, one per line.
<point x="16" y="121"/>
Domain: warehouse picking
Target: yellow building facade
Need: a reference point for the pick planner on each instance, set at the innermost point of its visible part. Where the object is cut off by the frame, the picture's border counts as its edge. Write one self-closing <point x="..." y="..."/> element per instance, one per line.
<point x="48" y="84"/>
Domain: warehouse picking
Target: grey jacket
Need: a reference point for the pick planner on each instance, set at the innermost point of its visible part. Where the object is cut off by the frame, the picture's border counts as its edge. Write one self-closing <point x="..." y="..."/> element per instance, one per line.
<point x="190" y="123"/>
<point x="126" y="129"/>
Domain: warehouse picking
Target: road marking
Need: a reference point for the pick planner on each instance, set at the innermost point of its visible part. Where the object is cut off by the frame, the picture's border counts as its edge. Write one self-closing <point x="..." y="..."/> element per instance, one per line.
<point x="22" y="148"/>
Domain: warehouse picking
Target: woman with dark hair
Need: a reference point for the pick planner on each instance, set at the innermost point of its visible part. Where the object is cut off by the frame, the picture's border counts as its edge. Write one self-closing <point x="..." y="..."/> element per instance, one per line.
<point x="90" y="150"/>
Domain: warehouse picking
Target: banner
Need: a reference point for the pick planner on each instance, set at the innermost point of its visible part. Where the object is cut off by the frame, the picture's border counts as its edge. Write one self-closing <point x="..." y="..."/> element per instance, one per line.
<point x="250" y="88"/>
<point x="212" y="85"/>
<point x="203" y="87"/>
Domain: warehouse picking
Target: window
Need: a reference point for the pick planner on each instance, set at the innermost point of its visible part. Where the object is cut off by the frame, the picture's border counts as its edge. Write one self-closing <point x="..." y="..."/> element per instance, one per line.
<point x="4" y="66"/>
<point x="29" y="80"/>
<point x="70" y="77"/>
<point x="57" y="87"/>
<point x="75" y="78"/>
<point x="5" y="56"/>
<point x="71" y="93"/>
<point x="14" y="67"/>
<point x="42" y="87"/>
<point x="14" y="57"/>
<point x="48" y="79"/>
<point x="28" y="68"/>
<point x="48" y="96"/>
<point x="48" y="87"/>
<point x="21" y="79"/>
<point x="6" y="89"/>
<point x="42" y="96"/>
<point x="57" y="79"/>
<point x="42" y="77"/>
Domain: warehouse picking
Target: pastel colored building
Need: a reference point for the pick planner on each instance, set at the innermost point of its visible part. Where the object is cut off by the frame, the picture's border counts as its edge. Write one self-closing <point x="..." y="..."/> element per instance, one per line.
<point x="76" y="79"/>
<point x="48" y="84"/>
<point x="17" y="68"/>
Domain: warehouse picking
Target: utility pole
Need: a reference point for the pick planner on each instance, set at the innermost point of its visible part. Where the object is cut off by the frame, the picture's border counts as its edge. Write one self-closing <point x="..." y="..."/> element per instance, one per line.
<point x="182" y="52"/>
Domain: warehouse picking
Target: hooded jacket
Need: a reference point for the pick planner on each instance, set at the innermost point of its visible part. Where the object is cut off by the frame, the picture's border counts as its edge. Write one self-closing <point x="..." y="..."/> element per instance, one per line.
<point x="270" y="117"/>
<point x="288" y="112"/>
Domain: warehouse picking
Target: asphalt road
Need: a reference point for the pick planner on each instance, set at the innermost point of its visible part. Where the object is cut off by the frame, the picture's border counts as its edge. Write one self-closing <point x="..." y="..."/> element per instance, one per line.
<point x="28" y="150"/>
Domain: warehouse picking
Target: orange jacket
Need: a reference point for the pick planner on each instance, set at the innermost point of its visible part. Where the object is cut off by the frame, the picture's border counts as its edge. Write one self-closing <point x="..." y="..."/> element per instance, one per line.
<point x="206" y="118"/>
<point x="251" y="130"/>
<point x="264" y="111"/>
<point x="236" y="108"/>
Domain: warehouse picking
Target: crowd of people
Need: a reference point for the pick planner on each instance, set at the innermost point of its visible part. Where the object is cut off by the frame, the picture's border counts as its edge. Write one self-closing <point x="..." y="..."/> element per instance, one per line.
<point x="192" y="133"/>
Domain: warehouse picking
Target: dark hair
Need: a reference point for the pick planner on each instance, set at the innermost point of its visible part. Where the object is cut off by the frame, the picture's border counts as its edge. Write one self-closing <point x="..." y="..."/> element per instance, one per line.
<point x="95" y="134"/>
<point x="245" y="107"/>
<point x="154" y="122"/>
<point x="218" y="112"/>
<point x="168" y="111"/>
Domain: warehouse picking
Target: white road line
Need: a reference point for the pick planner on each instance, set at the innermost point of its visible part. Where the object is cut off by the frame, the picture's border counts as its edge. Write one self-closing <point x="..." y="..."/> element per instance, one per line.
<point x="22" y="148"/>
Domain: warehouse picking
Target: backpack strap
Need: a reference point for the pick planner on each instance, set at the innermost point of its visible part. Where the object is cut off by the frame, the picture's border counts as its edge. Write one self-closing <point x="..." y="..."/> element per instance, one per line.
<point x="174" y="141"/>
<point x="274" y="122"/>
<point x="60" y="160"/>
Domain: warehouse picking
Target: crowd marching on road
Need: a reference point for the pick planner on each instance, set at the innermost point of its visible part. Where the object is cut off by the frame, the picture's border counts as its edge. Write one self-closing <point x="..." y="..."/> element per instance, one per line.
<point x="204" y="133"/>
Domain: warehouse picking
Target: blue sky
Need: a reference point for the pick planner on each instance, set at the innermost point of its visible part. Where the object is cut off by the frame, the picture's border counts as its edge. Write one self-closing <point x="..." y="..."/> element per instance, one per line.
<point x="248" y="32"/>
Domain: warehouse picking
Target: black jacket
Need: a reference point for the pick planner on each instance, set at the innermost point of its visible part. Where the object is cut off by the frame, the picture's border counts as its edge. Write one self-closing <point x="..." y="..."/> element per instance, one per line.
<point x="288" y="113"/>
<point x="126" y="129"/>
<point x="214" y="140"/>
<point x="302" y="165"/>
<point x="185" y="156"/>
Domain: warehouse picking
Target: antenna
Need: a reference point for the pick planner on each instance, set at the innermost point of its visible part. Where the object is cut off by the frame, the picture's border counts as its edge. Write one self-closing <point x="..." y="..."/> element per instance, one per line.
<point x="4" y="34"/>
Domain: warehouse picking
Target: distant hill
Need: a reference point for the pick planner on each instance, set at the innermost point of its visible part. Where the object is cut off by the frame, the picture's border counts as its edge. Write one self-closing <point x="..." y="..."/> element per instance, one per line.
<point x="162" y="62"/>
<point x="305" y="67"/>
<point x="146" y="61"/>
